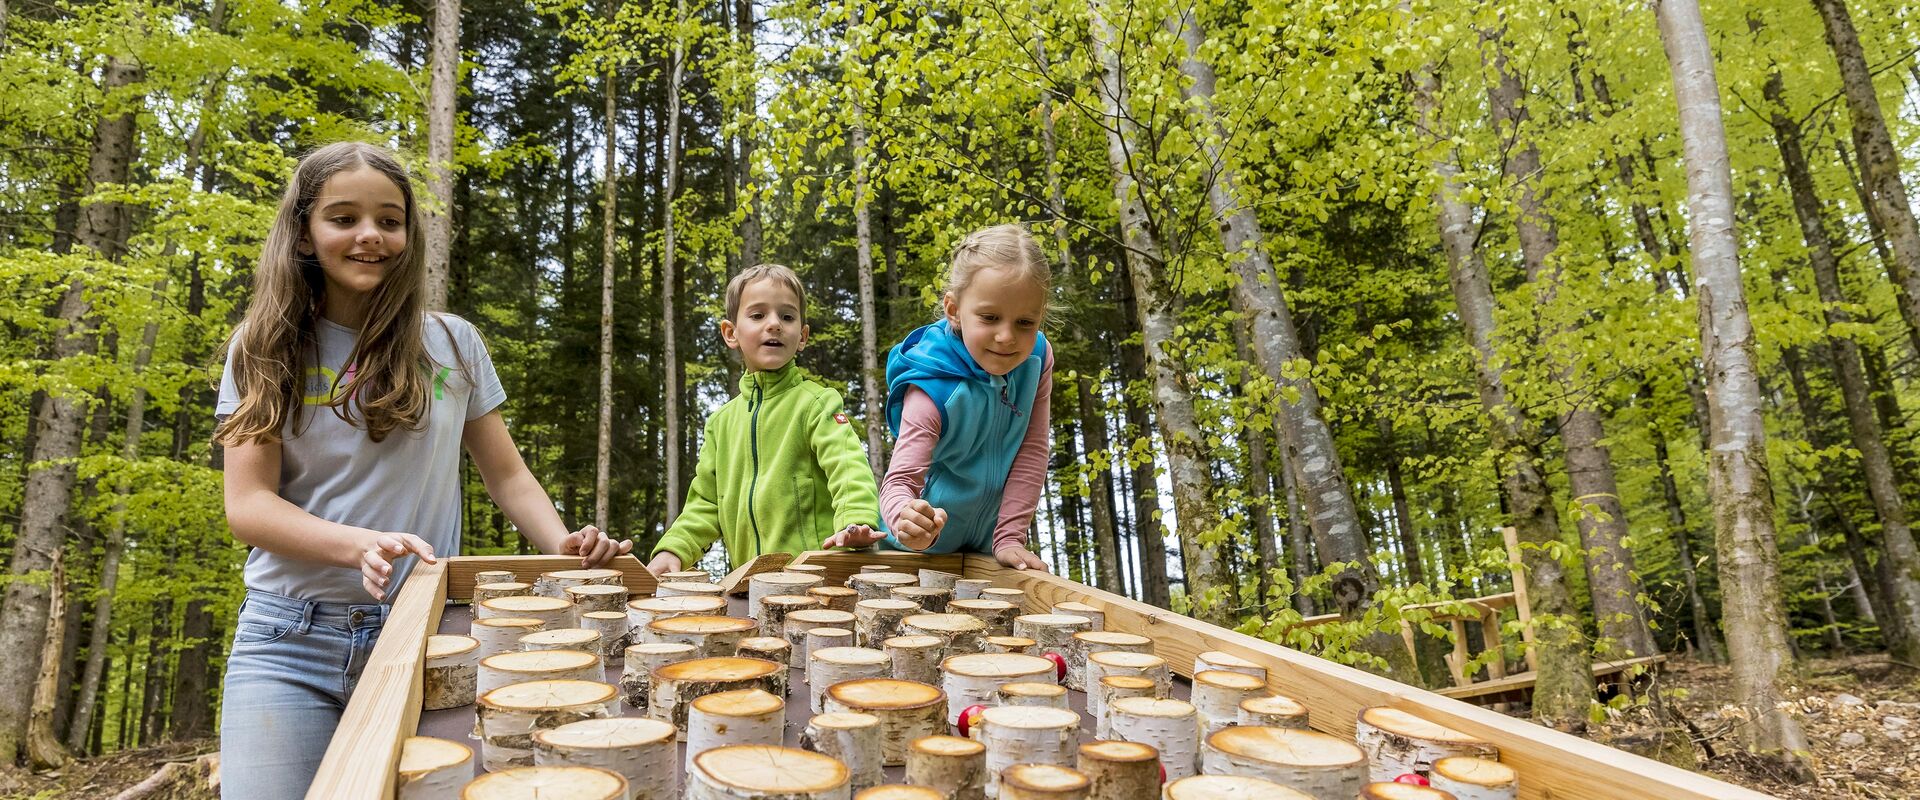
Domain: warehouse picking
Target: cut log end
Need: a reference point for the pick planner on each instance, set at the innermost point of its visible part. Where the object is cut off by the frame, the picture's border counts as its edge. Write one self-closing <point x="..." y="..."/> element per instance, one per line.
<point x="1230" y="787"/>
<point x="900" y="791"/>
<point x="689" y="576"/>
<point x="1402" y="791"/>
<point x="424" y="755"/>
<point x="1470" y="778"/>
<point x="1042" y="780"/>
<point x="610" y="734"/>
<point x="767" y="771"/>
<point x="533" y="783"/>
<point x="1275" y="711"/>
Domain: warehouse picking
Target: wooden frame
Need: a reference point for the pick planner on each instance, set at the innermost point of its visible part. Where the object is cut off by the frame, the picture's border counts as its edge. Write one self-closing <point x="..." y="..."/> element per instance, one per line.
<point x="385" y="709"/>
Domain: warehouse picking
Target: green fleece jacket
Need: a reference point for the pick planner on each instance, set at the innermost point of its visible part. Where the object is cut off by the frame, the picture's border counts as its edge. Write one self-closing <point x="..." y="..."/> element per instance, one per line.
<point x="780" y="471"/>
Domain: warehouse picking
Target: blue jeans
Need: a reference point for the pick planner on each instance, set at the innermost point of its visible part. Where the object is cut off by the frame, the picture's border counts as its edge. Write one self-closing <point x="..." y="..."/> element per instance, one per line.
<point x="293" y="666"/>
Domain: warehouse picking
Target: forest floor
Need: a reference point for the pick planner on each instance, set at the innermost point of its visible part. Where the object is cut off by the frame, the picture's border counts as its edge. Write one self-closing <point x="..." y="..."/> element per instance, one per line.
<point x="1862" y="717"/>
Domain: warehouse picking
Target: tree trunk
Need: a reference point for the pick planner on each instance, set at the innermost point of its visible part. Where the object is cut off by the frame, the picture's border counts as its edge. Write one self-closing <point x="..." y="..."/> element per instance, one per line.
<point x="1704" y="635"/>
<point x="1152" y="549"/>
<point x="750" y="214"/>
<point x="669" y="276"/>
<point x="1564" y="687"/>
<point x="1402" y="514"/>
<point x="1260" y="478"/>
<point x="57" y="434"/>
<point x="1602" y="522"/>
<point x="44" y="751"/>
<point x="1106" y="540"/>
<point x="1737" y="467"/>
<point x="603" y="457"/>
<point x="1902" y="623"/>
<point x="1209" y="584"/>
<point x="1879" y="160"/>
<point x="442" y="99"/>
<point x="863" y="269"/>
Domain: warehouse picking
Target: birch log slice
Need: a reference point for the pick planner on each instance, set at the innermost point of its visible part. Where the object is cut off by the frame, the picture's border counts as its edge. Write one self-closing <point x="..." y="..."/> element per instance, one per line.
<point x="494" y="576"/>
<point x="955" y="766"/>
<point x="612" y="627"/>
<point x="1402" y="791"/>
<point x="677" y="685"/>
<point x="688" y="576"/>
<point x="1031" y="693"/>
<point x="556" y="584"/>
<point x="1397" y="743"/>
<point x="1006" y="644"/>
<point x="636" y="680"/>
<point x="688" y="589"/>
<point x="899" y="791"/>
<point x="540" y="783"/>
<point x="745" y="716"/>
<point x="1123" y="663"/>
<point x="836" y="598"/>
<point x="1042" y="782"/>
<point x="1170" y="726"/>
<point x="553" y="612"/>
<point x="907" y="710"/>
<point x="488" y="591"/>
<point x="775" y="608"/>
<point x="850" y="736"/>
<point x="711" y="637"/>
<point x="961" y="633"/>
<point x="1306" y="761"/>
<point x="1026" y="735"/>
<point x="934" y="601"/>
<point x="1119" y="770"/>
<point x="640" y="750"/>
<point x="1016" y="597"/>
<point x="770" y="584"/>
<point x="916" y="658"/>
<point x="1228" y="662"/>
<point x="975" y="678"/>
<point x="598" y="597"/>
<point x="1229" y="787"/>
<point x="498" y="635"/>
<point x="1273" y="711"/>
<point x="1051" y="633"/>
<point x="870" y="568"/>
<point x="648" y="610"/>
<point x="762" y="772"/>
<point x="819" y="639"/>
<point x="1475" y="779"/>
<point x="970" y="588"/>
<point x="879" y="620"/>
<point x="510" y="715"/>
<point x="580" y="639"/>
<point x="452" y="673"/>
<point x="507" y="669"/>
<point x="876" y="585"/>
<point x="432" y="769"/>
<point x="833" y="665"/>
<point x="768" y="648"/>
<point x="1111" y="688"/>
<point x="997" y="614"/>
<point x="1086" y="643"/>
<point x="807" y="569"/>
<point x="1217" y="695"/>
<point x="936" y="579"/>
<point x="799" y="622"/>
<point x="1094" y="615"/>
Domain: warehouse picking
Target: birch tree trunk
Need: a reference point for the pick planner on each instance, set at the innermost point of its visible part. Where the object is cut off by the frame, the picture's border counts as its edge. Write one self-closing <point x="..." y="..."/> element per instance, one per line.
<point x="1879" y="160"/>
<point x="1737" y="467"/>
<point x="1565" y="685"/>
<point x="669" y="271"/>
<point x="1603" y="520"/>
<point x="750" y="214"/>
<point x="863" y="258"/>
<point x="609" y="194"/>
<point x="442" y="100"/>
<point x="1876" y="463"/>
<point x="1158" y="306"/>
<point x="57" y="427"/>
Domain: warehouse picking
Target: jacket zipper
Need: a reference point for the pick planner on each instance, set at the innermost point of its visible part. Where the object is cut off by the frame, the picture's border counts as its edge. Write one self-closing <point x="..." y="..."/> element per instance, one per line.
<point x="753" y="482"/>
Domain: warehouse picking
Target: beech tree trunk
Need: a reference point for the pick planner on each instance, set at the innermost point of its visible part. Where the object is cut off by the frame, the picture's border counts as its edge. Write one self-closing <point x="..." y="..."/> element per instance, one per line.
<point x="1209" y="583"/>
<point x="1602" y="522"/>
<point x="442" y="99"/>
<point x="610" y="179"/>
<point x="1705" y="636"/>
<point x="863" y="269"/>
<point x="43" y="745"/>
<point x="57" y="431"/>
<point x="1737" y="467"/>
<point x="1902" y="623"/>
<point x="750" y="214"/>
<point x="669" y="272"/>
<point x="1564" y="686"/>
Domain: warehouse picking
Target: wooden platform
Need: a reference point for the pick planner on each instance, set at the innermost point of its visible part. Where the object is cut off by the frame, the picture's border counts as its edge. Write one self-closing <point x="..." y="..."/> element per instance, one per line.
<point x="1519" y="686"/>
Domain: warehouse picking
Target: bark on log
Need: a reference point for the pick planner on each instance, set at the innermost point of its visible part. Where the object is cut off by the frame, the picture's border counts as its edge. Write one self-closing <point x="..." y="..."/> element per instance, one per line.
<point x="1217" y="695"/>
<point x="1070" y="608"/>
<point x="1007" y="644"/>
<point x="916" y="658"/>
<point x="852" y="737"/>
<point x="1228" y="662"/>
<point x="775" y="608"/>
<point x="555" y="584"/>
<point x="1026" y="735"/>
<point x="771" y="584"/>
<point x="997" y="614"/>
<point x="507" y="669"/>
<point x="961" y="633"/>
<point x="954" y="766"/>
<point x="972" y="679"/>
<point x="935" y="579"/>
<point x="1099" y="641"/>
<point x="488" y="591"/>
<point x="553" y="612"/>
<point x="1042" y="782"/>
<point x="711" y="637"/>
<point x="677" y="685"/>
<point x="1029" y="693"/>
<point x="799" y="622"/>
<point x="636" y="680"/>
<point x="1310" y="762"/>
<point x="1170" y="726"/>
<point x="1119" y="770"/>
<point x="510" y="715"/>
<point x="868" y="569"/>
<point x="432" y="769"/>
<point x="1475" y="779"/>
<point x="580" y="639"/>
<point x="879" y="620"/>
<point x="835" y="598"/>
<point x="1273" y="711"/>
<point x="597" y="597"/>
<point x="833" y="665"/>
<point x="533" y="783"/>
<point x="907" y="710"/>
<point x="931" y="600"/>
<point x="819" y="639"/>
<point x="970" y="588"/>
<point x="761" y="772"/>
<point x="687" y="576"/>
<point x="1016" y="597"/>
<point x="640" y="750"/>
<point x="1121" y="662"/>
<point x="486" y="576"/>
<point x="1397" y="743"/>
<point x="498" y="635"/>
<point x="612" y="628"/>
<point x="648" y="610"/>
<point x="688" y="589"/>
<point x="452" y="673"/>
<point x="876" y="585"/>
<point x="1111" y="688"/>
<point x="1051" y="633"/>
<point x="745" y="716"/>
<point x="768" y="648"/>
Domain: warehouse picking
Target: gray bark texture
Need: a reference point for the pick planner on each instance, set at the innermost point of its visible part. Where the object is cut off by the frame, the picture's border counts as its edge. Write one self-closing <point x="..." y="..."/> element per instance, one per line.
<point x="609" y="192"/>
<point x="669" y="274"/>
<point x="863" y="268"/>
<point x="442" y="100"/>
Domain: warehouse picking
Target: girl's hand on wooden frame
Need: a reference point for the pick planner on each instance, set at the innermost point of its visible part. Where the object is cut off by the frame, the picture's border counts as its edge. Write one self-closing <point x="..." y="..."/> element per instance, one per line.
<point x="594" y="547"/>
<point x="378" y="554"/>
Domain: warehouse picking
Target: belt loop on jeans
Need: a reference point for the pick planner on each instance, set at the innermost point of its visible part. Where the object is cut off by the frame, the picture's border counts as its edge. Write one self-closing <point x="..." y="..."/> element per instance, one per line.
<point x="306" y="615"/>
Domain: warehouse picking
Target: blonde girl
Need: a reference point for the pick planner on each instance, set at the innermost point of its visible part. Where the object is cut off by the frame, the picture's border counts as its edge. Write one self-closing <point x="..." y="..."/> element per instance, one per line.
<point x="967" y="401"/>
<point x="343" y="411"/>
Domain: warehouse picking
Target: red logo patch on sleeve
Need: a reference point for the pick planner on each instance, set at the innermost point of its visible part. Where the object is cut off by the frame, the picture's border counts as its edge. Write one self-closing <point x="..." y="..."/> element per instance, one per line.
<point x="840" y="418"/>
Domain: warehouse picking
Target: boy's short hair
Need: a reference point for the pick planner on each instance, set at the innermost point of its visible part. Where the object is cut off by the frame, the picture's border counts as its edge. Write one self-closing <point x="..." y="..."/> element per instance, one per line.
<point x="776" y="272"/>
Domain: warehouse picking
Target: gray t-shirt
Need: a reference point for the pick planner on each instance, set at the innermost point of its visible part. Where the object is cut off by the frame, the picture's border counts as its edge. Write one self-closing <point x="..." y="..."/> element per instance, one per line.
<point x="408" y="483"/>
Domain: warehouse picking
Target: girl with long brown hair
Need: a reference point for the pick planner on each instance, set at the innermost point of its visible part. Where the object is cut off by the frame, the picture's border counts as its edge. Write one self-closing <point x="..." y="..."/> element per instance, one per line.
<point x="344" y="408"/>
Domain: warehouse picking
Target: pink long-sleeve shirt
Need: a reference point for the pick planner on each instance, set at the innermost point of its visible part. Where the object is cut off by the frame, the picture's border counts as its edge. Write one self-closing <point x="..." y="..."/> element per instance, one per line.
<point x="913" y="453"/>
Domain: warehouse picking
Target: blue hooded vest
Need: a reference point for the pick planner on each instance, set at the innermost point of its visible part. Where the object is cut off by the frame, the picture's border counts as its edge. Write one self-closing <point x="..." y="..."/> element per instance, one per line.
<point x="983" y="420"/>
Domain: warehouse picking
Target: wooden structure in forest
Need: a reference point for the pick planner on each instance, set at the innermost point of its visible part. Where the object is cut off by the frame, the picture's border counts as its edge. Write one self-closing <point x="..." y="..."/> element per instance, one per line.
<point x="361" y="762"/>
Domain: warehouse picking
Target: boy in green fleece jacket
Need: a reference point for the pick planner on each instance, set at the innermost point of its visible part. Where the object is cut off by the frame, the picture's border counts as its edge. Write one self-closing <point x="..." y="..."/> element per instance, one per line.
<point x="780" y="468"/>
